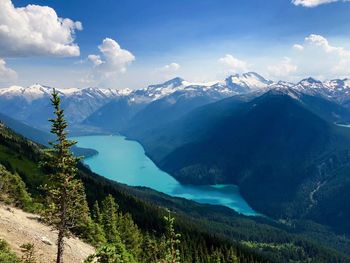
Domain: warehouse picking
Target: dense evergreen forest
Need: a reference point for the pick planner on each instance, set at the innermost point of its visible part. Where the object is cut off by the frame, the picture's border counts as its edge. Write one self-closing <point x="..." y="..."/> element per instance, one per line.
<point x="112" y="231"/>
<point x="131" y="224"/>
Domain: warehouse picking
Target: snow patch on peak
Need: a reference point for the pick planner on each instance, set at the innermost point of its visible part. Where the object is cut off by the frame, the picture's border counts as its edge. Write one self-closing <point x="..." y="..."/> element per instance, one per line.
<point x="202" y="84"/>
<point x="285" y="90"/>
<point x="247" y="82"/>
<point x="347" y="83"/>
<point x="30" y="93"/>
<point x="175" y="82"/>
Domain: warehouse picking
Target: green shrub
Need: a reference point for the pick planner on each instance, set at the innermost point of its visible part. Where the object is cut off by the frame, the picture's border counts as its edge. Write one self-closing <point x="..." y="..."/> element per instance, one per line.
<point x="6" y="255"/>
<point x="13" y="191"/>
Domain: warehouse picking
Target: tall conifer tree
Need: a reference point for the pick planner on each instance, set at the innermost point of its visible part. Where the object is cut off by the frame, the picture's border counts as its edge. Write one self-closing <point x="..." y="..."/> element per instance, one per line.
<point x="66" y="198"/>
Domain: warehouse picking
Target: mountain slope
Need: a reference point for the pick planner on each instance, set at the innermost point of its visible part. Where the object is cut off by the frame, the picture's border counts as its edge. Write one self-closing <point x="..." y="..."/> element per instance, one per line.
<point x="207" y="227"/>
<point x="113" y="116"/>
<point x="166" y="110"/>
<point x="32" y="105"/>
<point x="29" y="132"/>
<point x="40" y="136"/>
<point x="18" y="228"/>
<point x="273" y="147"/>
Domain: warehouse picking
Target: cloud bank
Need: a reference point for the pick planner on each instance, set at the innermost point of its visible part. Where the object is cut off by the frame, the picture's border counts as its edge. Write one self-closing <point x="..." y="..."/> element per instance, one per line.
<point x="36" y="31"/>
<point x="314" y="3"/>
<point x="316" y="57"/>
<point x="319" y="55"/>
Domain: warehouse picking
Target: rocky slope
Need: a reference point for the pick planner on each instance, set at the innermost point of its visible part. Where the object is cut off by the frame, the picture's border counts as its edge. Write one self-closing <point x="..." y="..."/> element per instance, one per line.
<point x="18" y="227"/>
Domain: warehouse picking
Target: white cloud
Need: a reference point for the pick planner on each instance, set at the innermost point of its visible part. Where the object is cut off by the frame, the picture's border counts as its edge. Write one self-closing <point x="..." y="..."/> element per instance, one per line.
<point x="316" y="56"/>
<point x="36" y="31"/>
<point x="6" y="74"/>
<point x="95" y="59"/>
<point x="321" y="42"/>
<point x="233" y="65"/>
<point x="283" y="69"/>
<point x="335" y="60"/>
<point x="298" y="47"/>
<point x="314" y="3"/>
<point x="170" y="68"/>
<point x="112" y="61"/>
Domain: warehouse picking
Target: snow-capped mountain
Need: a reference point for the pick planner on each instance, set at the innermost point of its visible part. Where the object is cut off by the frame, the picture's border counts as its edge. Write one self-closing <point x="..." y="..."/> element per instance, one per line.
<point x="32" y="104"/>
<point x="337" y="90"/>
<point x="247" y="82"/>
<point x="38" y="91"/>
<point x="235" y="84"/>
<point x="29" y="94"/>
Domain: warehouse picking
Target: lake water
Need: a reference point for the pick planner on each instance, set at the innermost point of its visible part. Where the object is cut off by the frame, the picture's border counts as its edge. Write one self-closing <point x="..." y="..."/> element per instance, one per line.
<point x="125" y="161"/>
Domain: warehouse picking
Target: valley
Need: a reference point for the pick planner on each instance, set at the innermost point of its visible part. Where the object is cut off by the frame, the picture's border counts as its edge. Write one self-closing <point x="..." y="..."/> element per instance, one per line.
<point x="125" y="161"/>
<point x="208" y="228"/>
<point x="275" y="140"/>
<point x="245" y="145"/>
<point x="174" y="131"/>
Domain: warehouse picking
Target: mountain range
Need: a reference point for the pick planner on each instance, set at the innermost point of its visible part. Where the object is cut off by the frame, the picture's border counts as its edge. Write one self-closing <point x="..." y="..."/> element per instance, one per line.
<point x="110" y="110"/>
<point x="285" y="155"/>
<point x="285" y="145"/>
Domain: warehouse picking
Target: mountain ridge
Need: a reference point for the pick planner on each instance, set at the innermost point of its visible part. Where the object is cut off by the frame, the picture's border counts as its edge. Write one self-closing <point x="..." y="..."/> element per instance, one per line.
<point x="276" y="147"/>
<point x="25" y="104"/>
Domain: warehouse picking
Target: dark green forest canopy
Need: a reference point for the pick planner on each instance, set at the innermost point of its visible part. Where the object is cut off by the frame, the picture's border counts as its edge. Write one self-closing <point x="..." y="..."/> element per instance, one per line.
<point x="204" y="228"/>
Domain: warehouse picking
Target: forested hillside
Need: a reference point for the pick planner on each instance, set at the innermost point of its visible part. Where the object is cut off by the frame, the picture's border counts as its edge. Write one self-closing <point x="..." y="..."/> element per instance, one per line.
<point x="208" y="233"/>
<point x="282" y="148"/>
<point x="130" y="242"/>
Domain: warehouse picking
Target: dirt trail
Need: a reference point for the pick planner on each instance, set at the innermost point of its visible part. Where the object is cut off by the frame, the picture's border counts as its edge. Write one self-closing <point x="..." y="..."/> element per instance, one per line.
<point x="18" y="227"/>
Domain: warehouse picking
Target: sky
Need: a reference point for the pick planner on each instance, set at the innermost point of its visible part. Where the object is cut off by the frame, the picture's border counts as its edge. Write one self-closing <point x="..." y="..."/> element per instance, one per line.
<point x="134" y="43"/>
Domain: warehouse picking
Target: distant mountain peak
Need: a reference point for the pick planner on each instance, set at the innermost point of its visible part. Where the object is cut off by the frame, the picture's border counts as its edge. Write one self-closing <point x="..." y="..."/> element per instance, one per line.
<point x="284" y="90"/>
<point x="285" y="83"/>
<point x="310" y="80"/>
<point x="175" y="82"/>
<point x="246" y="82"/>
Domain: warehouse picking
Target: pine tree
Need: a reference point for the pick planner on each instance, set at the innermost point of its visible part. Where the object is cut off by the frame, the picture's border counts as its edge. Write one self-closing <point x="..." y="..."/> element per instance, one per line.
<point x="110" y="219"/>
<point x="172" y="241"/>
<point x="115" y="250"/>
<point x="111" y="253"/>
<point x="150" y="249"/>
<point x="66" y="200"/>
<point x="97" y="229"/>
<point x="232" y="256"/>
<point x="96" y="213"/>
<point x="130" y="234"/>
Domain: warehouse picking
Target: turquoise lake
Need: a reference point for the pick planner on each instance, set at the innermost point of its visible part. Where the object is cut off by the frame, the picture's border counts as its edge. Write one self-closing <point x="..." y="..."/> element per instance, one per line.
<point x="125" y="161"/>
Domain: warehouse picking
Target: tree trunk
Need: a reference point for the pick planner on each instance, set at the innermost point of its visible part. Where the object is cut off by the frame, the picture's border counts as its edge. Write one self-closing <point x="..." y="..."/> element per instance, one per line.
<point x="60" y="247"/>
<point x="62" y="227"/>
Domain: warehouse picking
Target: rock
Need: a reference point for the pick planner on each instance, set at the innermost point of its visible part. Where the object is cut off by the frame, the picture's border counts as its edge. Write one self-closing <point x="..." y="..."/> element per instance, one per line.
<point x="46" y="241"/>
<point x="10" y="210"/>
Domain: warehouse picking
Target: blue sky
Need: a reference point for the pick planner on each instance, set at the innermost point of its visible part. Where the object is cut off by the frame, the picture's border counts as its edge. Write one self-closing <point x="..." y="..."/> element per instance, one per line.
<point x="198" y="40"/>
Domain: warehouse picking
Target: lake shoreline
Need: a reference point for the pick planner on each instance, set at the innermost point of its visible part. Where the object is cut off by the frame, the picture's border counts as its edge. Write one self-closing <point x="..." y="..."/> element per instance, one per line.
<point x="124" y="160"/>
